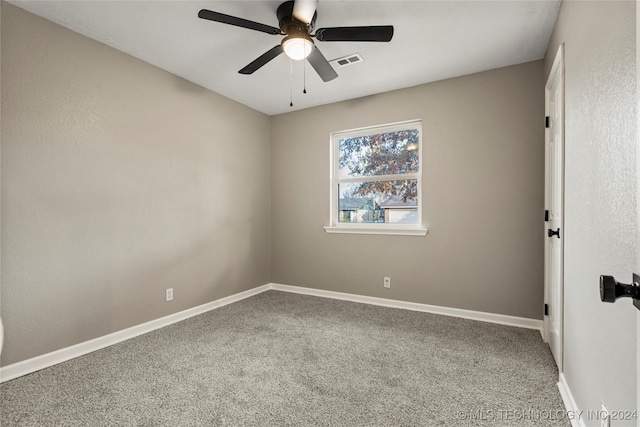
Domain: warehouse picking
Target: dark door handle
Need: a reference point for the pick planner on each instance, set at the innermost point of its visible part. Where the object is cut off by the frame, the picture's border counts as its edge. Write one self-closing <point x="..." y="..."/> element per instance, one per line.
<point x="611" y="289"/>
<point x="552" y="233"/>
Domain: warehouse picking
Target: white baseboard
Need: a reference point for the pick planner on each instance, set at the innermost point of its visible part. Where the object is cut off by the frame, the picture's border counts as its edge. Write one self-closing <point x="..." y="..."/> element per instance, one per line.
<point x="573" y="413"/>
<point x="37" y="363"/>
<point x="501" y="319"/>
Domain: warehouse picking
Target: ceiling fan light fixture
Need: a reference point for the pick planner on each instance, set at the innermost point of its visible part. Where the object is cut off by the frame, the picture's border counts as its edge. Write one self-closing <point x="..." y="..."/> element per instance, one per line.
<point x="297" y="47"/>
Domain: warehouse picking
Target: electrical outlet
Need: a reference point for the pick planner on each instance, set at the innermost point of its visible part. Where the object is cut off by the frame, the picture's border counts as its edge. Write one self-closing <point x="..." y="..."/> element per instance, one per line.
<point x="387" y="282"/>
<point x="169" y="294"/>
<point x="605" y="417"/>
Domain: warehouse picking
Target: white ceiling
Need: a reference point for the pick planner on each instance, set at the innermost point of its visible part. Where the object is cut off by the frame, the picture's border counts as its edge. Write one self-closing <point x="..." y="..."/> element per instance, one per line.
<point x="433" y="40"/>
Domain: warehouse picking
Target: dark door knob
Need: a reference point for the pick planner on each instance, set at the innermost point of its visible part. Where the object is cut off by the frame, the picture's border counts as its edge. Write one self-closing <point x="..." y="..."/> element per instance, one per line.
<point x="611" y="289"/>
<point x="552" y="233"/>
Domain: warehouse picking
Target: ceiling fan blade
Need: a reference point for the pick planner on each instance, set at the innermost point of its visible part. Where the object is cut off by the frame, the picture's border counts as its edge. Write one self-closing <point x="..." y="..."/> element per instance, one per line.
<point x="380" y="33"/>
<point x="238" y="22"/>
<point x="321" y="65"/>
<point x="303" y="10"/>
<point x="262" y="60"/>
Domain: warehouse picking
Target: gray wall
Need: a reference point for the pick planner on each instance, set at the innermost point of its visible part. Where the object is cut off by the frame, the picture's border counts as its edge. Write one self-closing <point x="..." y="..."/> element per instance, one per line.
<point x="600" y="199"/>
<point x="119" y="180"/>
<point x="483" y="184"/>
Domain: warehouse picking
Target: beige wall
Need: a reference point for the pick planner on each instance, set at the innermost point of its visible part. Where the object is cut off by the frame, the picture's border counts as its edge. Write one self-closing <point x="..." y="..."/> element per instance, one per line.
<point x="482" y="190"/>
<point x="600" y="199"/>
<point x="119" y="180"/>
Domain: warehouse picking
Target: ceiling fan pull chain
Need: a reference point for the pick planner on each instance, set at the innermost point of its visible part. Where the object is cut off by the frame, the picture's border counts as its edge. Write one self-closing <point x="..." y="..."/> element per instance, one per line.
<point x="291" y="83"/>
<point x="304" y="76"/>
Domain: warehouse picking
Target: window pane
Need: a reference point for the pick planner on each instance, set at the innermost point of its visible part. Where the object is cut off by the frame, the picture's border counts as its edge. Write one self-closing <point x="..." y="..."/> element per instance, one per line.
<point x="393" y="202"/>
<point x="381" y="154"/>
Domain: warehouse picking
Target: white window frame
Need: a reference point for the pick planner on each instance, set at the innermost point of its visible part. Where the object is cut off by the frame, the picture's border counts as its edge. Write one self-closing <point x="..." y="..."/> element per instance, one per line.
<point x="373" y="228"/>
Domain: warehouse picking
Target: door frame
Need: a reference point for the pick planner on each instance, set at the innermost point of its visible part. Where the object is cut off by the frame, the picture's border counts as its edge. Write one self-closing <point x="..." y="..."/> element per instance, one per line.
<point x="638" y="197"/>
<point x="558" y="66"/>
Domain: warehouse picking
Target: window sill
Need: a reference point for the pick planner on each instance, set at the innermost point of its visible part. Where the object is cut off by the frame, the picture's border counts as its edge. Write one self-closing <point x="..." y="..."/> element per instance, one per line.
<point x="393" y="231"/>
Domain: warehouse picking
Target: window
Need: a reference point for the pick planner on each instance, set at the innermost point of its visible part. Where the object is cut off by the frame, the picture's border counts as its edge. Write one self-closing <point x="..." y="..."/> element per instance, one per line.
<point x="376" y="180"/>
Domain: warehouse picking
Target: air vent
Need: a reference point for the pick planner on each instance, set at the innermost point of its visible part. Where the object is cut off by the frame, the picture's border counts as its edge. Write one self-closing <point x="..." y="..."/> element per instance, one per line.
<point x="347" y="60"/>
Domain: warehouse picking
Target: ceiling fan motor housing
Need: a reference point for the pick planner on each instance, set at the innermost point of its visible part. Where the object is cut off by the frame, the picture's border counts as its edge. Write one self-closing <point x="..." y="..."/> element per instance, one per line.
<point x="290" y="25"/>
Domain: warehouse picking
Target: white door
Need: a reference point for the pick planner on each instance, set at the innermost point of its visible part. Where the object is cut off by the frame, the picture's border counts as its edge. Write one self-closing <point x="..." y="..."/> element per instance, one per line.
<point x="554" y="199"/>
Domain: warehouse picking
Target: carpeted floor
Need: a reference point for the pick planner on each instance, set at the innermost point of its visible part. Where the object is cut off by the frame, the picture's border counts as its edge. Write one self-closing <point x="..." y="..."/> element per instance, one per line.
<point x="285" y="359"/>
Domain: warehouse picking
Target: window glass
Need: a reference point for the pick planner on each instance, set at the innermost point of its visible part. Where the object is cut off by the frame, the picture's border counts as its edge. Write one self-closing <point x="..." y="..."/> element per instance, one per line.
<point x="380" y="154"/>
<point x="376" y="175"/>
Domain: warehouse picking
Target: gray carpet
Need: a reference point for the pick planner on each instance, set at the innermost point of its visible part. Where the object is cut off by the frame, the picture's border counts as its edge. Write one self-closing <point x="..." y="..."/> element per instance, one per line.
<point x="285" y="359"/>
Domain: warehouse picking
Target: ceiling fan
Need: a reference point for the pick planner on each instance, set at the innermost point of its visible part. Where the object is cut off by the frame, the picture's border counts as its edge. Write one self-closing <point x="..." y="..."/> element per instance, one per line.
<point x="296" y="20"/>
